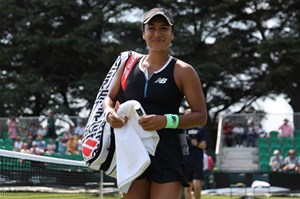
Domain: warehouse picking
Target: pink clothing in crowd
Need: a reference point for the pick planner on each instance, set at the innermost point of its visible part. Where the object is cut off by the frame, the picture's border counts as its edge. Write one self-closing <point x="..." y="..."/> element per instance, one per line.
<point x="12" y="129"/>
<point x="286" y="130"/>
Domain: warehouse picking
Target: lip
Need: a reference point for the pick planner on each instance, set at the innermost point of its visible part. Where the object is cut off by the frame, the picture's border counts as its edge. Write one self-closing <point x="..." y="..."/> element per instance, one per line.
<point x="157" y="40"/>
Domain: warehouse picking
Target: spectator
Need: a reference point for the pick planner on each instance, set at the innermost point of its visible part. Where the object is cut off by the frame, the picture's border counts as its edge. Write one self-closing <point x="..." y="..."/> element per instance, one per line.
<point x="208" y="164"/>
<point x="36" y="150"/>
<point x="290" y="162"/>
<point x="298" y="165"/>
<point x="18" y="144"/>
<point x="205" y="161"/>
<point x="30" y="141"/>
<point x="25" y="148"/>
<point x="61" y="145"/>
<point x="51" y="129"/>
<point x="33" y="130"/>
<point x="210" y="161"/>
<point x="12" y="127"/>
<point x="79" y="130"/>
<point x="41" y="131"/>
<point x="286" y="129"/>
<point x="251" y="135"/>
<point x="72" y="145"/>
<point x="227" y="131"/>
<point x="260" y="131"/>
<point x="238" y="132"/>
<point x="23" y="131"/>
<point x="276" y="161"/>
<point x="40" y="142"/>
<point x="51" y="147"/>
<point x="67" y="135"/>
<point x="194" y="161"/>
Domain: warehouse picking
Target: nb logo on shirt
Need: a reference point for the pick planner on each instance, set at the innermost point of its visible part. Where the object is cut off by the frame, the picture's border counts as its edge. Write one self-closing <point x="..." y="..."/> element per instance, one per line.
<point x="161" y="80"/>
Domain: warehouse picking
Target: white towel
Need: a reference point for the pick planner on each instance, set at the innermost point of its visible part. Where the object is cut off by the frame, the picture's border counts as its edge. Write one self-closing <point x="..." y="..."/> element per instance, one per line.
<point x="133" y="146"/>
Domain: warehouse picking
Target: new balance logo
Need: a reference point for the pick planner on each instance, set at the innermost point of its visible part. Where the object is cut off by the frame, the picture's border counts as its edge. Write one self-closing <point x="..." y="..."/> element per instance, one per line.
<point x="161" y="80"/>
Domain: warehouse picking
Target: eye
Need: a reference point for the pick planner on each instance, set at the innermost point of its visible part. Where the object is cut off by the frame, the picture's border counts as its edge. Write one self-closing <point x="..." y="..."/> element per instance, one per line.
<point x="150" y="28"/>
<point x="165" y="28"/>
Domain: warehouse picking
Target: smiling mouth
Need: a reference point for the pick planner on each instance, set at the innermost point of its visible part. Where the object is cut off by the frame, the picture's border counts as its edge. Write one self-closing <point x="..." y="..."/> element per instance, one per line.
<point x="158" y="41"/>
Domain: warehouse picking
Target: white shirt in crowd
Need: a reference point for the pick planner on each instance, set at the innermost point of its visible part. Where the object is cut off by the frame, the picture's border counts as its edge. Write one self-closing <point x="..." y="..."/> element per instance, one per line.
<point x="79" y="130"/>
<point x="238" y="130"/>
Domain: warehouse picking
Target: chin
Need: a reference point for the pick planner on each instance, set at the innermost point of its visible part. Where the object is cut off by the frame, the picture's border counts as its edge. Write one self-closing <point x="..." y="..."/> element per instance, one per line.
<point x="160" y="49"/>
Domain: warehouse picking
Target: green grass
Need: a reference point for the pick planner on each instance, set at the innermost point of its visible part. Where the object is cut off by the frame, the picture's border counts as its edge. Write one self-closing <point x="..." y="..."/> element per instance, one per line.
<point x="238" y="197"/>
<point x="24" y="195"/>
<point x="30" y="195"/>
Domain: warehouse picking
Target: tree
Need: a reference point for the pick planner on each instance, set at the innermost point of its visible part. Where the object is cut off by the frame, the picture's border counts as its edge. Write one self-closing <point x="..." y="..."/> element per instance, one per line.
<point x="54" y="54"/>
<point x="280" y="54"/>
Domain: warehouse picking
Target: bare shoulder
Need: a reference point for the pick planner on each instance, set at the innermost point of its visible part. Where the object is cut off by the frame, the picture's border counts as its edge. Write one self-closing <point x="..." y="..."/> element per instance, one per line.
<point x="183" y="65"/>
<point x="185" y="75"/>
<point x="182" y="69"/>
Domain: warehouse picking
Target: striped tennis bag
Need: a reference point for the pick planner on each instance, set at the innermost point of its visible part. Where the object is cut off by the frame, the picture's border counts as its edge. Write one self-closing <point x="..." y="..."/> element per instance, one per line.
<point x="98" y="143"/>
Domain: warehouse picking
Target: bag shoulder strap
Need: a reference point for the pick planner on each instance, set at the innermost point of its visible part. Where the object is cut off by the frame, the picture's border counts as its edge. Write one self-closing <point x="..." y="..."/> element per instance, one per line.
<point x="131" y="61"/>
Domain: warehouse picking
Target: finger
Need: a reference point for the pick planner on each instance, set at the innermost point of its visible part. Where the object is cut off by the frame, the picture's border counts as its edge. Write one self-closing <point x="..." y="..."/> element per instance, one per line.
<point x="119" y="122"/>
<point x="143" y="121"/>
<point x="125" y="119"/>
<point x="117" y="105"/>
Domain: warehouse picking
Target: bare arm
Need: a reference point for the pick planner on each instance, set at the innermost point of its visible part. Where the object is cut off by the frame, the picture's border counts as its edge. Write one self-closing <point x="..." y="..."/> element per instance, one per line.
<point x="110" y="105"/>
<point x="188" y="81"/>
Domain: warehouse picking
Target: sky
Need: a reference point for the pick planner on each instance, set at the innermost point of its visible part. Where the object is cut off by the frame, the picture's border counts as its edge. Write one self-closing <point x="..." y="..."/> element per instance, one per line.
<point x="277" y="110"/>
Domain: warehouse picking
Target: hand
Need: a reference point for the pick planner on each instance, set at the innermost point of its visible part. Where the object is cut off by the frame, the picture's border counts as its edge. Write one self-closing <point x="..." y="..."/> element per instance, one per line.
<point x="194" y="142"/>
<point x="113" y="118"/>
<point x="153" y="122"/>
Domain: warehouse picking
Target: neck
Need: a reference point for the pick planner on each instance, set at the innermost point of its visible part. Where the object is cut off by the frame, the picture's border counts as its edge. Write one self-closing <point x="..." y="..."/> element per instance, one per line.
<point x="156" y="59"/>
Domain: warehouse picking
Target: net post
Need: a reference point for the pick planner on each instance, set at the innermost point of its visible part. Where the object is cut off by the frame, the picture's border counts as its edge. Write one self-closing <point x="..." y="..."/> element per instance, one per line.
<point x="101" y="185"/>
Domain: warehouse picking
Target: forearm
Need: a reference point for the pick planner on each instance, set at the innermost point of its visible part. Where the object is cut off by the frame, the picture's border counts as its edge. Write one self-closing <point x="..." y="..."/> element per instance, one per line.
<point x="107" y="103"/>
<point x="191" y="120"/>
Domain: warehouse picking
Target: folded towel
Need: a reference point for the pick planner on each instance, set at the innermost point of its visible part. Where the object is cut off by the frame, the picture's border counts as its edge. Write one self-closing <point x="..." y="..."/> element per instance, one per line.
<point x="133" y="146"/>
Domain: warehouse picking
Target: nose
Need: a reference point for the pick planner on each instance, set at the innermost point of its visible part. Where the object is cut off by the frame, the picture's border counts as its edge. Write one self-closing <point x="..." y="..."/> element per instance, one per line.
<point x="157" y="33"/>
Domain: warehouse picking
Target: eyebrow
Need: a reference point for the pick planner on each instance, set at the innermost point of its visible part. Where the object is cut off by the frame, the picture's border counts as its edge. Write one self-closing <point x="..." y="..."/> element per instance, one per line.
<point x="162" y="24"/>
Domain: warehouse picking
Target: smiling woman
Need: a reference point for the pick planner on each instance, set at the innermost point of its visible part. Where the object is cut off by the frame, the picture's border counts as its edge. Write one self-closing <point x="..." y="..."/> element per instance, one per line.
<point x="158" y="32"/>
<point x="159" y="82"/>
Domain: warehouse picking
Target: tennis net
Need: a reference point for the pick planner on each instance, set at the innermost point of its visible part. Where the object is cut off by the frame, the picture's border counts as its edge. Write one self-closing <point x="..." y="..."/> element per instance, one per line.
<point x="21" y="172"/>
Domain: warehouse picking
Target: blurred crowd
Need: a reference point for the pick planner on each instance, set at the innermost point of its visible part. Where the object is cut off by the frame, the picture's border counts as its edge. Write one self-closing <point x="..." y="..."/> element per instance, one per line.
<point x="39" y="140"/>
<point x="289" y="163"/>
<point x="246" y="135"/>
<point x="281" y="156"/>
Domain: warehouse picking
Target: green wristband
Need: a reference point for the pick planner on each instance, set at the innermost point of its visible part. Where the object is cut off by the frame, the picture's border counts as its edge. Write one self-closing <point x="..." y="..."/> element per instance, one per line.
<point x="172" y="121"/>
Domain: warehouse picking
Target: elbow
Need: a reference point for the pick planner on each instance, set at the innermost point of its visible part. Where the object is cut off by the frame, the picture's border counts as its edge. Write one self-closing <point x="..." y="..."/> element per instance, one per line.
<point x="199" y="119"/>
<point x="194" y="119"/>
<point x="202" y="119"/>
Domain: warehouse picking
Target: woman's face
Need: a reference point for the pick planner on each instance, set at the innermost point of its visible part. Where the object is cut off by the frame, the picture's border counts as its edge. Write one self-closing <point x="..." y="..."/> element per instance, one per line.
<point x="158" y="34"/>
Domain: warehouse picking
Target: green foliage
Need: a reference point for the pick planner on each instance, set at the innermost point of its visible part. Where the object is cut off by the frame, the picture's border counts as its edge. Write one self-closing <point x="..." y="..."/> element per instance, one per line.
<point x="38" y="195"/>
<point x="60" y="43"/>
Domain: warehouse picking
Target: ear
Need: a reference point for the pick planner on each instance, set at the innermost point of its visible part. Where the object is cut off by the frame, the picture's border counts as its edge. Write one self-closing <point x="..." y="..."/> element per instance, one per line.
<point x="143" y="36"/>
